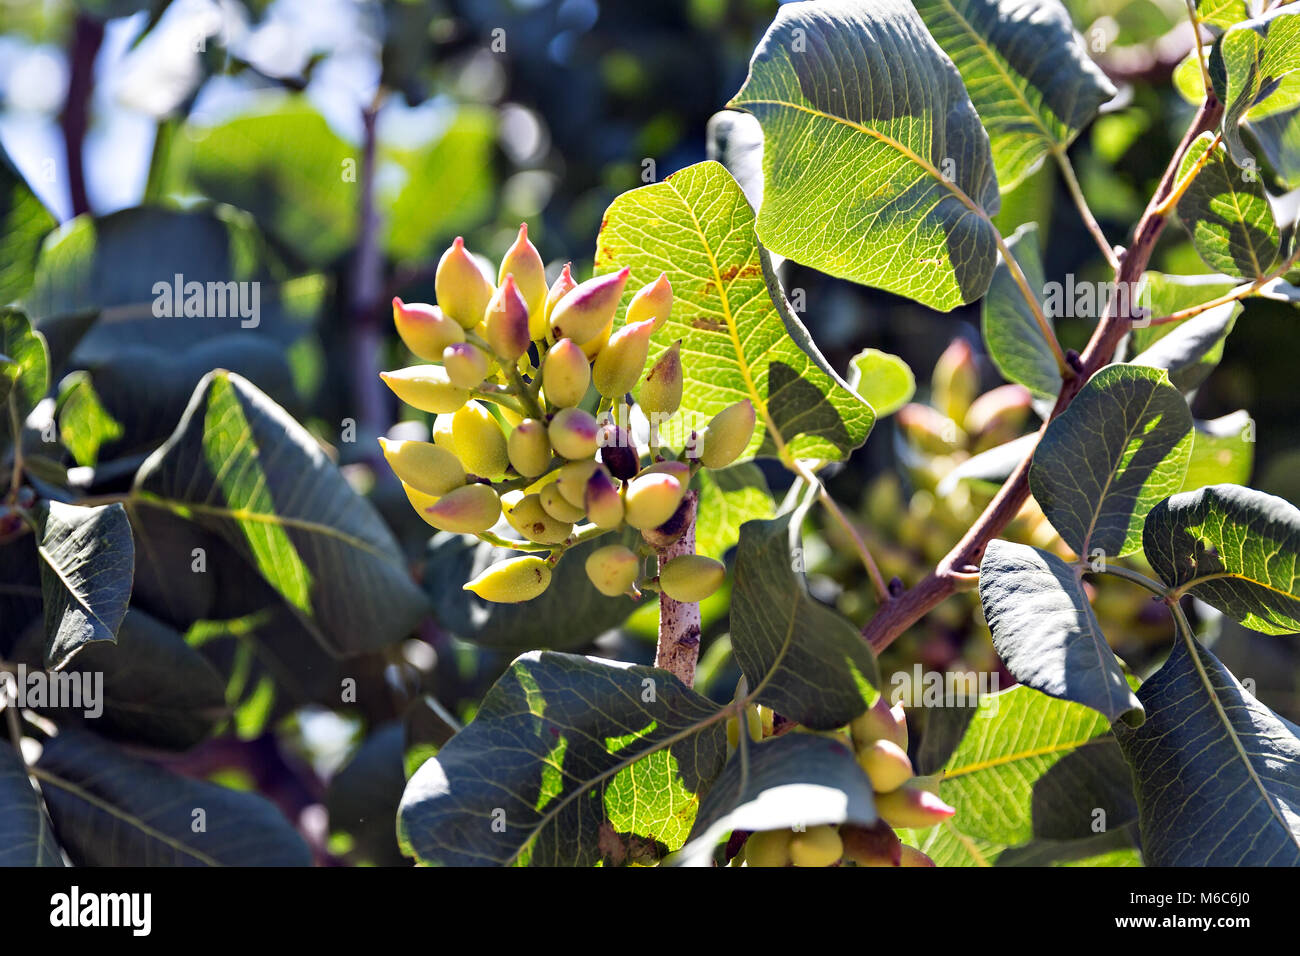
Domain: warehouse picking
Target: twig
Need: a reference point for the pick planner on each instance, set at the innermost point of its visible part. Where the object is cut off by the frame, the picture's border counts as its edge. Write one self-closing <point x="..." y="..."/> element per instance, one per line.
<point x="1085" y="212"/>
<point x="366" y="299"/>
<point x="1018" y="276"/>
<point x="678" y="650"/>
<point x="87" y="35"/>
<point x="1240" y="292"/>
<point x="864" y="553"/>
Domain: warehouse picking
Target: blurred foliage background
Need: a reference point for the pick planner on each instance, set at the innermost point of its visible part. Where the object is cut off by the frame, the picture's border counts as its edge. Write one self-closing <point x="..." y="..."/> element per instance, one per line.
<point x="333" y="148"/>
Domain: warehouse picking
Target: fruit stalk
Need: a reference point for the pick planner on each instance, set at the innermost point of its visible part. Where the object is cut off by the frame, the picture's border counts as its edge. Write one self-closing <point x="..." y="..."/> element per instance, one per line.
<point x="679" y="624"/>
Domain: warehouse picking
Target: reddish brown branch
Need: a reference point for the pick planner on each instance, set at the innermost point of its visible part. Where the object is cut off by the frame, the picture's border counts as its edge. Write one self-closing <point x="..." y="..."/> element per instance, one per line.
<point x="679" y="624"/>
<point x="87" y="35"/>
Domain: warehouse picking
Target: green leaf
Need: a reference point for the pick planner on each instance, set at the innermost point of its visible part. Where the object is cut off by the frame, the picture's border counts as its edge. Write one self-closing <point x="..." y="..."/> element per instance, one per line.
<point x="1188" y="350"/>
<point x="1217" y="773"/>
<point x="784" y="782"/>
<point x="1014" y="339"/>
<point x="1046" y="633"/>
<point x="239" y="466"/>
<point x="364" y="795"/>
<point x="800" y="657"/>
<point x="1227" y="212"/>
<point x="85" y="425"/>
<point x="1223" y="451"/>
<point x="25" y="835"/>
<point x="87" y="562"/>
<point x="570" y="761"/>
<point x="885" y="381"/>
<point x="1031" y="766"/>
<point x="743" y="342"/>
<point x="1027" y="72"/>
<point x="112" y="809"/>
<point x="1234" y="548"/>
<point x="1121" y="446"/>
<point x="886" y="180"/>
<point x="24" y="223"/>
<point x="1222" y="13"/>
<point x="26" y="371"/>
<point x="1255" y="58"/>
<point x="728" y="498"/>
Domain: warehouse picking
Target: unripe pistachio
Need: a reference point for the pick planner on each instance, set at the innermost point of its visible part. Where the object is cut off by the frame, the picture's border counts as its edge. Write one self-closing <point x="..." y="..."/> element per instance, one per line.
<point x="467" y="365"/>
<point x="565" y="374"/>
<point x="912" y="857"/>
<point x="652" y="499"/>
<point x="603" y="502"/>
<point x="523" y="261"/>
<point x="690" y="578"/>
<point x="424" y="466"/>
<point x="424" y="329"/>
<point x="678" y="469"/>
<point x="574" y="433"/>
<point x="553" y="504"/>
<point x="653" y="302"/>
<point x="420" y="501"/>
<point x="880" y="722"/>
<point x="768" y="848"/>
<point x="572" y="481"/>
<point x="877" y="845"/>
<point x="955" y="380"/>
<point x="621" y="361"/>
<point x="727" y="435"/>
<point x="529" y="448"/>
<point x="505" y="322"/>
<point x="426" y="387"/>
<point x="767" y="719"/>
<point x="661" y="389"/>
<point x="526" y="515"/>
<point x="754" y="724"/>
<point x="613" y="569"/>
<point x="886" y="764"/>
<point x="513" y="580"/>
<point x="592" y="349"/>
<point x="588" y="307"/>
<point x="562" y="286"/>
<point x="998" y="415"/>
<point x="462" y="288"/>
<point x="468" y="509"/>
<point x="910" y="806"/>
<point x="479" y="442"/>
<point x="816" y="846"/>
<point x="617" y="451"/>
<point x="441" y="432"/>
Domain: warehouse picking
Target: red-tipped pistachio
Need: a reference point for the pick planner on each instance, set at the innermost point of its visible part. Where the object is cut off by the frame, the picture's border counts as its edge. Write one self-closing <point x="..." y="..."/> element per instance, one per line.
<point x="523" y="261"/>
<point x="910" y="806"/>
<point x="727" y="435"/>
<point x="562" y="286"/>
<point x="479" y="442"/>
<point x="588" y="308"/>
<point x="467" y="365"/>
<point x="653" y="302"/>
<point x="426" y="387"/>
<point x="886" y="764"/>
<point x="526" y="515"/>
<point x="468" y="509"/>
<point x="690" y="578"/>
<point x="575" y="434"/>
<point x="678" y="469"/>
<point x="613" y="569"/>
<point x="603" y="502"/>
<point x="529" y="448"/>
<point x="424" y="466"/>
<point x="513" y="580"/>
<point x="913" y="857"/>
<point x="505" y="322"/>
<point x="661" y="389"/>
<point x="652" y="499"/>
<point x="880" y="722"/>
<point x="462" y="288"/>
<point x="876" y="845"/>
<point x="621" y="361"/>
<point x="566" y="373"/>
<point x="424" y="329"/>
<point x="955" y="380"/>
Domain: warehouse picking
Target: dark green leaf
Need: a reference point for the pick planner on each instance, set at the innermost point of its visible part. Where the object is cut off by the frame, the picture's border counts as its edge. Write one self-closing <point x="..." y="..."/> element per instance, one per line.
<point x="24" y="223"/>
<point x="1014" y="339"/>
<point x="364" y="795"/>
<point x="25" y="835"/>
<point x="1223" y="451"/>
<point x="1255" y="58"/>
<point x="1227" y="213"/>
<point x="1189" y="350"/>
<point x="85" y="425"/>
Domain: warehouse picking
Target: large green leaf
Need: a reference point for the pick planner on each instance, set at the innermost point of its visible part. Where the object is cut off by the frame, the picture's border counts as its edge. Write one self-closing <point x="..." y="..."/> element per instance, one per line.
<point x="1255" y="59"/>
<point x="1188" y="350"/>
<point x="25" y="835"/>
<point x="1014" y="338"/>
<point x="87" y="562"/>
<point x="1217" y="773"/>
<point x="796" y="780"/>
<point x="85" y="425"/>
<point x="1027" y="72"/>
<point x="738" y="338"/>
<point x="570" y="760"/>
<point x="875" y="165"/>
<point x="728" y="498"/>
<point x="1233" y="547"/>
<point x="1046" y="633"/>
<point x="800" y="657"/>
<point x="24" y="223"/>
<point x="239" y="466"/>
<point x="1031" y="766"/>
<point x="1223" y="451"/>
<point x="1227" y="212"/>
<point x="1223" y="13"/>
<point x="1121" y="446"/>
<point x="112" y="809"/>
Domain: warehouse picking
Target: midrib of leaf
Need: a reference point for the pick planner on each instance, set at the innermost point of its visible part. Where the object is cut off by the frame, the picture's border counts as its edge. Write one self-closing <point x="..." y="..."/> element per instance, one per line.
<point x="1058" y="747"/>
<point x="967" y="844"/>
<point x="1241" y="218"/>
<point x="81" y="601"/>
<point x="67" y="785"/>
<point x="1217" y="575"/>
<point x="1110" y="477"/>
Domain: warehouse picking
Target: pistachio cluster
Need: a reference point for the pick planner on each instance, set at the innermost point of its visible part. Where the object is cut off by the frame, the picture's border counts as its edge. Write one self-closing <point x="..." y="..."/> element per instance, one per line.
<point x="533" y="392"/>
<point x="879" y="739"/>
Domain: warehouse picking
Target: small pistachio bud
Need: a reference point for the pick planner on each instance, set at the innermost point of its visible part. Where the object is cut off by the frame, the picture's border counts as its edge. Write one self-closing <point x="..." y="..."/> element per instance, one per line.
<point x="613" y="569"/>
<point x="654" y="302"/>
<point x="652" y="499"/>
<point x="572" y="481"/>
<point x="426" y="387"/>
<point x="621" y="361"/>
<point x="513" y="580"/>
<point x="618" y="452"/>
<point x="553" y="504"/>
<point x="886" y="764"/>
<point x="462" y="288"/>
<point x="526" y="515"/>
<point x="424" y="329"/>
<point x="467" y="365"/>
<point x="529" y="448"/>
<point x="479" y="442"/>
<point x="661" y="389"/>
<point x="423" y="465"/>
<point x="505" y="322"/>
<point x="880" y="722"/>
<point x="876" y="845"/>
<point x="727" y="435"/>
<point x="574" y="433"/>
<point x="566" y="373"/>
<point x="562" y="286"/>
<point x="604" y="503"/>
<point x="691" y="578"/>
<point x="816" y="846"/>
<point x="768" y="848"/>
<point x="910" y="806"/>
<point x="468" y="509"/>
<point x="523" y="261"/>
<point x="912" y="857"/>
<point x="955" y="380"/>
<point x="588" y="307"/>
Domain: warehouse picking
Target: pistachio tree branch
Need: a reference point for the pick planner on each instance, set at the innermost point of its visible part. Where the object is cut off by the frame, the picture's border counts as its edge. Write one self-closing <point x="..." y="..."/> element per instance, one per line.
<point x="678" y="650"/>
<point x="957" y="568"/>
